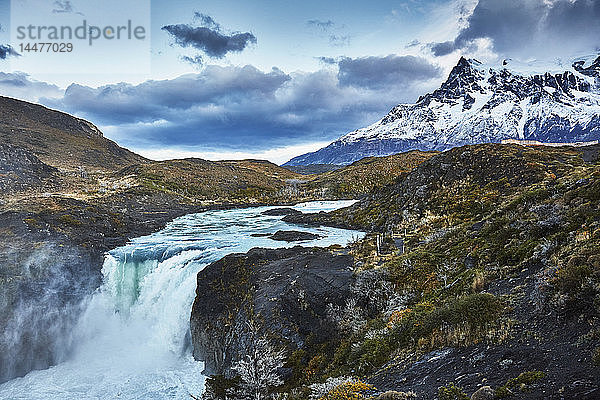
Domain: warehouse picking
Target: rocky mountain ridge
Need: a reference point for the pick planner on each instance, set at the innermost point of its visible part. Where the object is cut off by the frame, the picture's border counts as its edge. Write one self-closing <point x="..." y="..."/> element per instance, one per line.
<point x="59" y="139"/>
<point x="478" y="104"/>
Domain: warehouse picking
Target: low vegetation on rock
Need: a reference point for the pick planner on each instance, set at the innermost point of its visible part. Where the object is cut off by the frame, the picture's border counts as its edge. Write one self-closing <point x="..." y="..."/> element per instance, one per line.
<point x="481" y="271"/>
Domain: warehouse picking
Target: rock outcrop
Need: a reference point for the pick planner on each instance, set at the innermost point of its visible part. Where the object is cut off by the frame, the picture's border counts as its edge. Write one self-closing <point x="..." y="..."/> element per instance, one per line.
<point x="284" y="293"/>
<point x="282" y="211"/>
<point x="293" y="236"/>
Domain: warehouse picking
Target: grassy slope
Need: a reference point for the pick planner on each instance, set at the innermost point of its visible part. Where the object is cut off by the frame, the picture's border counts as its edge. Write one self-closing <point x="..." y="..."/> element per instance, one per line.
<point x="245" y="181"/>
<point x="502" y="250"/>
<point x="365" y="175"/>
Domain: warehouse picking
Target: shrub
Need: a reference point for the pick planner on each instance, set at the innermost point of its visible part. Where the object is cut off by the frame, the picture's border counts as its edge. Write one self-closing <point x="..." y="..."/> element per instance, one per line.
<point x="391" y="395"/>
<point x="354" y="390"/>
<point x="69" y="220"/>
<point x="460" y="321"/>
<point x="452" y="392"/>
<point x="258" y="371"/>
<point x="476" y="309"/>
<point x="218" y="387"/>
<point x="521" y="382"/>
<point x="579" y="282"/>
<point x="374" y="353"/>
<point x="318" y="390"/>
<point x="596" y="356"/>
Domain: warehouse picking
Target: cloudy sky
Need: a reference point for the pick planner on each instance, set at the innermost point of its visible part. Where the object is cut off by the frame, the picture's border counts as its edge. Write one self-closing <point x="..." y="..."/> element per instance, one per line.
<point x="271" y="79"/>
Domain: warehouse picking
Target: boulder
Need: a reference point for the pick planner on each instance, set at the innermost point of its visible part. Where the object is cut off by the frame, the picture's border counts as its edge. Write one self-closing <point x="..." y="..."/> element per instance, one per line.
<point x="483" y="393"/>
<point x="283" y="211"/>
<point x="293" y="236"/>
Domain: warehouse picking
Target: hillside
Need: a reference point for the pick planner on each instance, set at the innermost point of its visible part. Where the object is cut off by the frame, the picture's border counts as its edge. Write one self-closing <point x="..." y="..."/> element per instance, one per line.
<point x="194" y="180"/>
<point x="59" y="139"/>
<point x="480" y="104"/>
<point x="467" y="180"/>
<point x="362" y="177"/>
<point x="483" y="271"/>
<point x="21" y="170"/>
<point x="312" y="169"/>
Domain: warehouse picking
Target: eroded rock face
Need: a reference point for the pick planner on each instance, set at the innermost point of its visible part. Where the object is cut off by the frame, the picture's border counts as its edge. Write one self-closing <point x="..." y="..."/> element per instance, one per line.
<point x="284" y="292"/>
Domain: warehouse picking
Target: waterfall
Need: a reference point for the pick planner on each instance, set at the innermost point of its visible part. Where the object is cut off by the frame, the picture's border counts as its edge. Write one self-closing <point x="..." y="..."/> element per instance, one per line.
<point x="132" y="340"/>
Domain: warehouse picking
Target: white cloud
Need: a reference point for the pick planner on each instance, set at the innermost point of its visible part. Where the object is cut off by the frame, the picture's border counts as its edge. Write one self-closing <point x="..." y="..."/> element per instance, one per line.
<point x="20" y="85"/>
<point x="277" y="155"/>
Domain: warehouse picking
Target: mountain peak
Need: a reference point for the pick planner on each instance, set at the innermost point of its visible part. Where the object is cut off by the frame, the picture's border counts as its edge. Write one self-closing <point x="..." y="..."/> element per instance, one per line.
<point x="477" y="104"/>
<point x="592" y="70"/>
<point x="467" y="63"/>
<point x="465" y="77"/>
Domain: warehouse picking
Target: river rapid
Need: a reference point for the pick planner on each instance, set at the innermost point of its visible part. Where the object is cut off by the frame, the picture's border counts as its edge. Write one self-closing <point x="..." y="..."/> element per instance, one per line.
<point x="132" y="339"/>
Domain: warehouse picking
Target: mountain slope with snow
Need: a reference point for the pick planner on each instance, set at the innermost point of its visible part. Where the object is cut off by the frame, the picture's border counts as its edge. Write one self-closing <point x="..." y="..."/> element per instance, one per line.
<point x="477" y="104"/>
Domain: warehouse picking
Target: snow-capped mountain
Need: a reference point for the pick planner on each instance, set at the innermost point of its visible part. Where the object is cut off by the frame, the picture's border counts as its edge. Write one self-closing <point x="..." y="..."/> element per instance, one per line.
<point x="478" y="104"/>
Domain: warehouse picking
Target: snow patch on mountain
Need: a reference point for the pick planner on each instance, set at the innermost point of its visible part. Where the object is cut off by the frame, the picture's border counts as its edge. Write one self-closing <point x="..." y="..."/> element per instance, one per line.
<point x="480" y="104"/>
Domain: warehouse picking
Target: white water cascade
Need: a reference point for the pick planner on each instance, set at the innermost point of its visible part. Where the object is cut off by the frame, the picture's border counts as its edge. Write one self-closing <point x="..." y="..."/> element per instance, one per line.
<point x="132" y="340"/>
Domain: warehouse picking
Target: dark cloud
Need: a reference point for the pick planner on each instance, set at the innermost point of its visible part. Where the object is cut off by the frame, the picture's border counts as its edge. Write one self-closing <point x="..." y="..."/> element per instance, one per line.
<point x="575" y="20"/>
<point x="381" y="72"/>
<point x="529" y="28"/>
<point x="64" y="7"/>
<point x="237" y="108"/>
<point x="209" y="37"/>
<point x="12" y="82"/>
<point x="207" y="21"/>
<point x="413" y="43"/>
<point x="119" y="103"/>
<point x="196" y="61"/>
<point x="7" y="51"/>
<point x="328" y="60"/>
<point x="443" y="48"/>
<point x="339" y="40"/>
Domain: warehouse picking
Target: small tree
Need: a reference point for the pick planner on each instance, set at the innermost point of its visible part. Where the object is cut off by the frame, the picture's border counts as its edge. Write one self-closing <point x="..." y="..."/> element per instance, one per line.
<point x="258" y="370"/>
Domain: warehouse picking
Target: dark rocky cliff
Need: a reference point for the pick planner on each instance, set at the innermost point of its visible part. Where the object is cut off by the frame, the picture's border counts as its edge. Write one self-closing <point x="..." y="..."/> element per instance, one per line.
<point x="285" y="292"/>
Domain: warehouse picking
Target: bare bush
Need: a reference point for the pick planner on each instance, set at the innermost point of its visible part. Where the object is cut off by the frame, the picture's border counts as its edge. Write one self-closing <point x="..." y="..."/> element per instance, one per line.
<point x="258" y="370"/>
